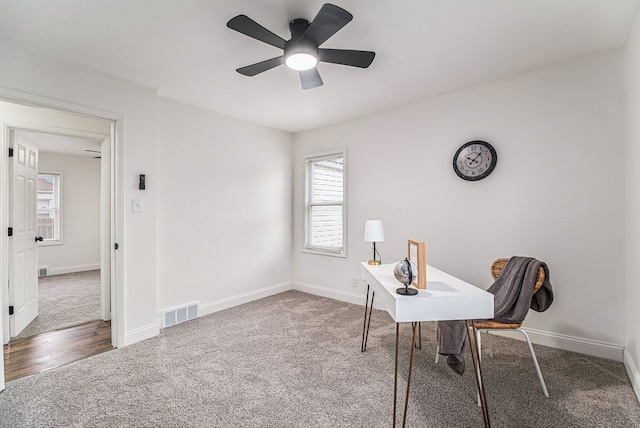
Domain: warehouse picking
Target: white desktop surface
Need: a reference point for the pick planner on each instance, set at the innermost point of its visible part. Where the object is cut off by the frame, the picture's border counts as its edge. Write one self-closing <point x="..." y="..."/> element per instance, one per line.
<point x="445" y="298"/>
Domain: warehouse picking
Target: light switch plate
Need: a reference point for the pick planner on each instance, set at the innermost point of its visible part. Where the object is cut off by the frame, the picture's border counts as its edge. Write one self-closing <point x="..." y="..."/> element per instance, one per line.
<point x="136" y="205"/>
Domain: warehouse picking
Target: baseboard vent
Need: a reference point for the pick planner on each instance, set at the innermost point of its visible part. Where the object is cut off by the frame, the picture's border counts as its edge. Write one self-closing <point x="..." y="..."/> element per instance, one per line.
<point x="43" y="271"/>
<point x="180" y="314"/>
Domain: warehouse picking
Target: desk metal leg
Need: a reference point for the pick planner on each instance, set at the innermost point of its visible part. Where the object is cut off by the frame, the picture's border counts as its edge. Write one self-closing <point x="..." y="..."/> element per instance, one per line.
<point x="477" y="369"/>
<point x="367" y="323"/>
<point x="395" y="377"/>
<point x="414" y="326"/>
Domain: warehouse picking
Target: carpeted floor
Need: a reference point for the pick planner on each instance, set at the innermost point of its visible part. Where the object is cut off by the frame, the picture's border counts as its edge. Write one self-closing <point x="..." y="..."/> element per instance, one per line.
<point x="294" y="360"/>
<point x="65" y="301"/>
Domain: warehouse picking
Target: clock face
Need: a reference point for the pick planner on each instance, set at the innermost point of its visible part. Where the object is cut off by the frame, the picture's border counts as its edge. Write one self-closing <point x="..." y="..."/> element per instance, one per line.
<point x="475" y="160"/>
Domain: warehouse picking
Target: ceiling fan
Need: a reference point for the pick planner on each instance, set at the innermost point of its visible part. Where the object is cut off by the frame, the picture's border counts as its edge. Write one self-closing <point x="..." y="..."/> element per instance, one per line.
<point x="302" y="52"/>
<point x="94" y="151"/>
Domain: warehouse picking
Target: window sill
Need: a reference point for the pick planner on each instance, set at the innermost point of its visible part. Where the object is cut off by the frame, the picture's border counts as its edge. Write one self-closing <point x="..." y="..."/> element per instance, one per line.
<point x="50" y="243"/>
<point x="319" y="252"/>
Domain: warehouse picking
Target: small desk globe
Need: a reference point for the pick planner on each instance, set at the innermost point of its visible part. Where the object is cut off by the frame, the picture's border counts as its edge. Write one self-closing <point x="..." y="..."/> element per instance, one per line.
<point x="406" y="272"/>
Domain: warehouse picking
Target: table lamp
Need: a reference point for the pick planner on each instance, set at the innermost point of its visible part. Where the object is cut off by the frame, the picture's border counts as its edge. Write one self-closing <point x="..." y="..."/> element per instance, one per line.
<point x="374" y="232"/>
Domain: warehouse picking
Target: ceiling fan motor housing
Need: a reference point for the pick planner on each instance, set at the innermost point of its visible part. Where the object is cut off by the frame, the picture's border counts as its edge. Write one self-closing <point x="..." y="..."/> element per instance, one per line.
<point x="298" y="44"/>
<point x="298" y="27"/>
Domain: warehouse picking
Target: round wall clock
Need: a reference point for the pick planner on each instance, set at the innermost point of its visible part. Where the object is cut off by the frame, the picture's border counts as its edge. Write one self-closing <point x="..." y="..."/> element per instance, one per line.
<point x="475" y="160"/>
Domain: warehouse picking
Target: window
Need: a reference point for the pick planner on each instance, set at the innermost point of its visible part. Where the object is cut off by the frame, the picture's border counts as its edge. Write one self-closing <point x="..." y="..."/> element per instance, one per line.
<point x="325" y="214"/>
<point x="49" y="212"/>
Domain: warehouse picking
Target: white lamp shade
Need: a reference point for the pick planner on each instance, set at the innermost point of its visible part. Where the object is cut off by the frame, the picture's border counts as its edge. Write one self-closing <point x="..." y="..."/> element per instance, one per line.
<point x="373" y="231"/>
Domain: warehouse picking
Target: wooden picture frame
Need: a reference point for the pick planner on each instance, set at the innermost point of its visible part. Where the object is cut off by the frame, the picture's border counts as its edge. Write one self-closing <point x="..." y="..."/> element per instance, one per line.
<point x="417" y="253"/>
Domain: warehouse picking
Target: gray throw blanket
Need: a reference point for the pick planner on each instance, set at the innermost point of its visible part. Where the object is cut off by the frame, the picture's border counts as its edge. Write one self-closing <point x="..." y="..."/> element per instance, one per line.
<point x="513" y="296"/>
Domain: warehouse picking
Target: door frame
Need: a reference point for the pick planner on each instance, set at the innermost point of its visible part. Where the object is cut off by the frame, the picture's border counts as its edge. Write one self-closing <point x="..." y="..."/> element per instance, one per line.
<point x="111" y="191"/>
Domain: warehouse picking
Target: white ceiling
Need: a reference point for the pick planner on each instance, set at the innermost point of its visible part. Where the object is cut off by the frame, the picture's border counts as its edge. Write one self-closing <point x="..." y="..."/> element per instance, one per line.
<point x="63" y="144"/>
<point x="423" y="48"/>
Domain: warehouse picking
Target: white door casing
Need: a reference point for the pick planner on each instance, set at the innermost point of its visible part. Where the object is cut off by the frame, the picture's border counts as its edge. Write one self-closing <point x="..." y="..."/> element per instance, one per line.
<point x="105" y="230"/>
<point x="23" y="270"/>
<point x="4" y="239"/>
<point x="53" y="116"/>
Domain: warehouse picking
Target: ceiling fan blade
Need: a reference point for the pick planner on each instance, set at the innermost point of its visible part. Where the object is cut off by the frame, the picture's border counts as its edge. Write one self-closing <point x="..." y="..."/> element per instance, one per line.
<point x="362" y="59"/>
<point x="327" y="22"/>
<point x="247" y="26"/>
<point x="310" y="79"/>
<point x="257" y="68"/>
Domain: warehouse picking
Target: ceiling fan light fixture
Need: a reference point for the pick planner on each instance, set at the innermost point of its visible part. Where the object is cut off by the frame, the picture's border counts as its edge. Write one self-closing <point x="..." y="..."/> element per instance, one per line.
<point x="302" y="52"/>
<point x="301" y="61"/>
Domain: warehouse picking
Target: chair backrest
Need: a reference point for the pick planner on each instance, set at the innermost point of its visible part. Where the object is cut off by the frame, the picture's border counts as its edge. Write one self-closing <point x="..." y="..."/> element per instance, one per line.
<point x="499" y="264"/>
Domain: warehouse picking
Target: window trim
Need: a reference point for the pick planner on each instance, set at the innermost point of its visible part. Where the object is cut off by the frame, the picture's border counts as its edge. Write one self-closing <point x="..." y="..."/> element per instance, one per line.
<point x="59" y="217"/>
<point x="308" y="159"/>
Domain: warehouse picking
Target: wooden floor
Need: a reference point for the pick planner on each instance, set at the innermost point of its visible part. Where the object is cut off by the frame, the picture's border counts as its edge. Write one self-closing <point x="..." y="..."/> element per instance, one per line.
<point x="24" y="357"/>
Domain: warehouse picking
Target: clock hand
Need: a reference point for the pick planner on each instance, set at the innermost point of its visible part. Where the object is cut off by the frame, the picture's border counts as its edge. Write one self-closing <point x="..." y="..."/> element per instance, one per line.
<point x="475" y="159"/>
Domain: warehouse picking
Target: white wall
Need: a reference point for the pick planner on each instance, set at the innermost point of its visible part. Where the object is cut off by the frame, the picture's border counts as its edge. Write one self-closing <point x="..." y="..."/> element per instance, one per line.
<point x="80" y="250"/>
<point x="557" y="193"/>
<point x="224" y="209"/>
<point x="632" y="353"/>
<point x="237" y="172"/>
<point x="30" y="71"/>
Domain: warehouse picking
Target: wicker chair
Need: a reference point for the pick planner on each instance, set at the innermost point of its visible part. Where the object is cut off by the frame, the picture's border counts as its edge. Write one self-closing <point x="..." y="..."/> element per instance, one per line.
<point x="489" y="325"/>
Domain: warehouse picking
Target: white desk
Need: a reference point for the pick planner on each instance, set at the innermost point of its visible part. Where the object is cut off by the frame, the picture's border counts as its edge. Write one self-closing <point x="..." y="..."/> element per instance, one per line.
<point x="446" y="298"/>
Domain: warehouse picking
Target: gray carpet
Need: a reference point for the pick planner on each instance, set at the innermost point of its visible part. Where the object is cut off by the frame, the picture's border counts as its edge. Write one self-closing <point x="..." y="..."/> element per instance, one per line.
<point x="65" y="301"/>
<point x="294" y="360"/>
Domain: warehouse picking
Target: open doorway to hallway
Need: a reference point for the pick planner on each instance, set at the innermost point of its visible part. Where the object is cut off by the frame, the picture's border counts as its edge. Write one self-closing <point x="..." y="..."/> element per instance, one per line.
<point x="60" y="192"/>
<point x="68" y="230"/>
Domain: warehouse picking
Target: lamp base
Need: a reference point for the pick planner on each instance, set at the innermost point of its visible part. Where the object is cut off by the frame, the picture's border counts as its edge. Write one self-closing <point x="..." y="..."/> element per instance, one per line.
<point x="374" y="262"/>
<point x="406" y="291"/>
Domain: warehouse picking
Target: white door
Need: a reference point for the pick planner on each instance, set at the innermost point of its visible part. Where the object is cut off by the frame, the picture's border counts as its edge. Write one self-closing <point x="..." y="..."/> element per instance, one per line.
<point x="23" y="280"/>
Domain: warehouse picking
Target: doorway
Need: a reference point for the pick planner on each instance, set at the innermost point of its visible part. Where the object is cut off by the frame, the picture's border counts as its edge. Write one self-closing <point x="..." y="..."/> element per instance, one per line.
<point x="82" y="124"/>
<point x="67" y="229"/>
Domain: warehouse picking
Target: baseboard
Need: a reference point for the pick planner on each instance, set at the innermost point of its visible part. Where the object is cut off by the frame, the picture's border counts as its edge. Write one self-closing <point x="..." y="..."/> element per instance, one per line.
<point x="317" y="290"/>
<point x="553" y="340"/>
<point x="142" y="333"/>
<point x="632" y="372"/>
<point x="73" y="269"/>
<point x="230" y="302"/>
<point x="570" y="343"/>
<point x="357" y="298"/>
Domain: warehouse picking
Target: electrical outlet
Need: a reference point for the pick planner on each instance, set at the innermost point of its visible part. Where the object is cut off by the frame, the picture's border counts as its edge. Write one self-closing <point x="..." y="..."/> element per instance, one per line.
<point x="354" y="282"/>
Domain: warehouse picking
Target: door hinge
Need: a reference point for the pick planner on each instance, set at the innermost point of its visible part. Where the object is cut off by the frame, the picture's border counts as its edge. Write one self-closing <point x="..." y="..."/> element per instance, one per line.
<point x="10" y="310"/>
<point x="10" y="152"/>
<point x="10" y="231"/>
<point x="116" y="246"/>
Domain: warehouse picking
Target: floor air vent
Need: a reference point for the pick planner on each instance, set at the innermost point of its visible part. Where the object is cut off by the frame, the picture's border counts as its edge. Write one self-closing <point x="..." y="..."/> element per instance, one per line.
<point x="43" y="271"/>
<point x="180" y="314"/>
